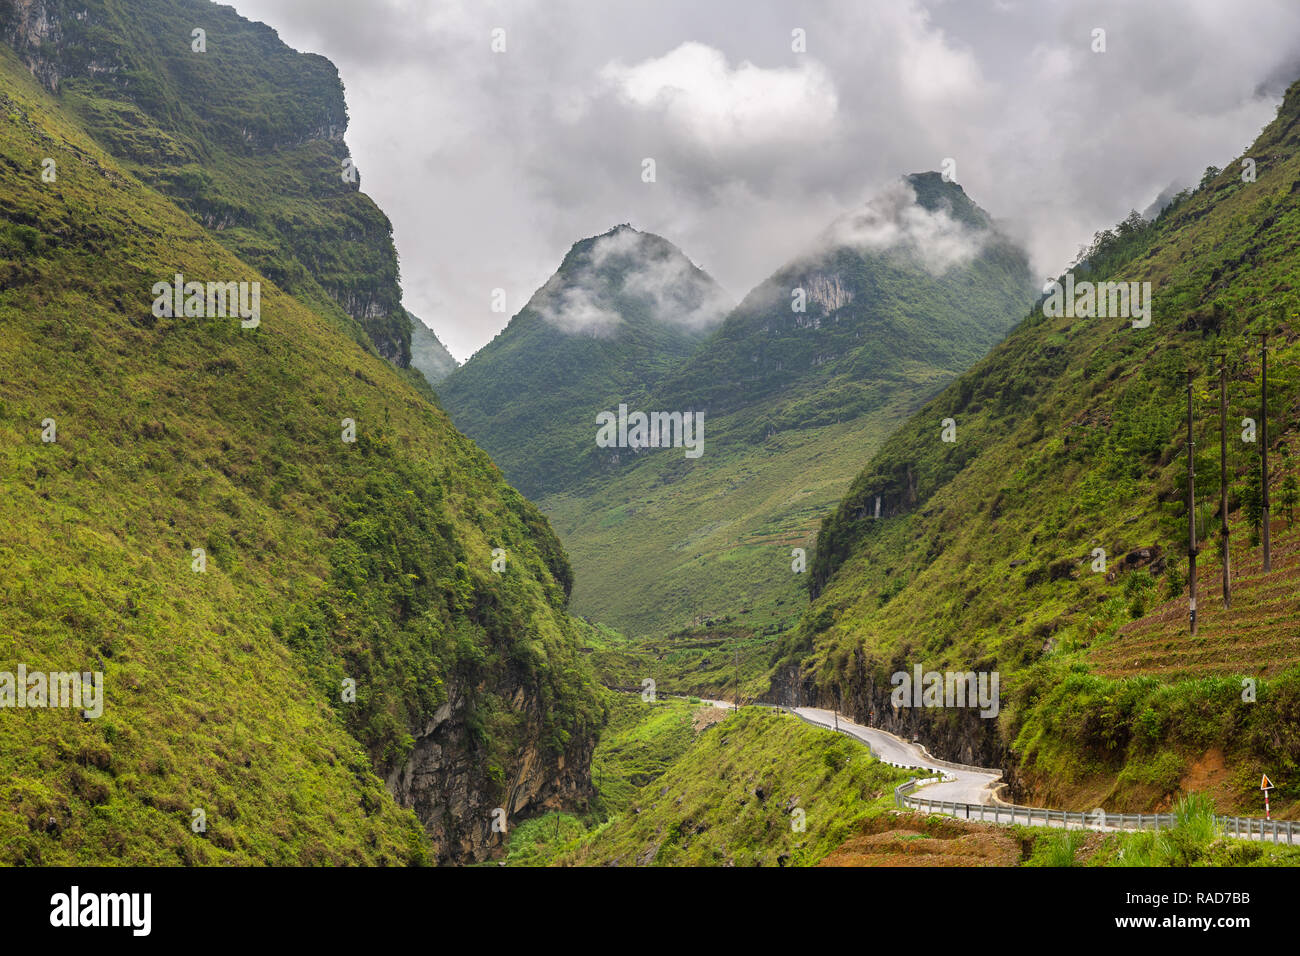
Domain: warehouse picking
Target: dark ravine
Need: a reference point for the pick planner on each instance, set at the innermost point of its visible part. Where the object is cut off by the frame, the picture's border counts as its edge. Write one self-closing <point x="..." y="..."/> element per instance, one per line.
<point x="445" y="782"/>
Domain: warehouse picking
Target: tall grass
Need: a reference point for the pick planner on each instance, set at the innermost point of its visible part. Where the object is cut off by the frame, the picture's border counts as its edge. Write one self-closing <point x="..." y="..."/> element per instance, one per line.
<point x="1186" y="843"/>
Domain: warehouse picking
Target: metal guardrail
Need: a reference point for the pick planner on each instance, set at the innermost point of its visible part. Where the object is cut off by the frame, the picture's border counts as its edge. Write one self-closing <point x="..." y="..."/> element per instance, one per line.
<point x="1246" y="828"/>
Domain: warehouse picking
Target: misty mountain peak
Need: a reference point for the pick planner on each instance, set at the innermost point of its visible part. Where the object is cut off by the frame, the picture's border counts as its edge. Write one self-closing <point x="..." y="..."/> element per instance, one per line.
<point x="628" y="276"/>
<point x="934" y="193"/>
<point x="920" y="218"/>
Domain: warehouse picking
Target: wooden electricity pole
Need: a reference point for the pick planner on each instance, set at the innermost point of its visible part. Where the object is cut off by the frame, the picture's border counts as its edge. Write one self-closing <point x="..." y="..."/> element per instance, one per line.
<point x="737" y="678"/>
<point x="1223" y="475"/>
<point x="1191" y="509"/>
<point x="1263" y="446"/>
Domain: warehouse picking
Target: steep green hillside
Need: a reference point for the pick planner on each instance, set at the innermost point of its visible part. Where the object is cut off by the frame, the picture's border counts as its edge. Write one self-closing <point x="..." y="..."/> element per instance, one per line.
<point x="1070" y="438"/>
<point x="719" y="661"/>
<point x="760" y="788"/>
<point x="624" y="309"/>
<point x="899" y="298"/>
<point x="428" y="355"/>
<point x="245" y="136"/>
<point x="182" y="512"/>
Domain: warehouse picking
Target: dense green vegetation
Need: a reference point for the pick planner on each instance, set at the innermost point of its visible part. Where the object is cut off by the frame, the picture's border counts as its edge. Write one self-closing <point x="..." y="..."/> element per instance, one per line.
<point x="713" y="661"/>
<point x="760" y="788"/>
<point x="732" y="799"/>
<point x="246" y="137"/>
<point x="1070" y="437"/>
<point x="326" y="560"/>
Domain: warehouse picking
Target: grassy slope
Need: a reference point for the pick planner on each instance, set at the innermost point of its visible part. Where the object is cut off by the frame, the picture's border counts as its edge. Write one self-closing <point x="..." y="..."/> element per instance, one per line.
<point x="325" y="560"/>
<point x="673" y="544"/>
<point x="706" y="661"/>
<point x="1069" y="439"/>
<point x="729" y="799"/>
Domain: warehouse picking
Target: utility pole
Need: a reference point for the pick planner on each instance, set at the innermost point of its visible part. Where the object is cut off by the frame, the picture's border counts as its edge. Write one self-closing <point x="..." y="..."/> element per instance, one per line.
<point x="1223" y="475"/>
<point x="1263" y="445"/>
<point x="1191" y="509"/>
<point x="737" y="678"/>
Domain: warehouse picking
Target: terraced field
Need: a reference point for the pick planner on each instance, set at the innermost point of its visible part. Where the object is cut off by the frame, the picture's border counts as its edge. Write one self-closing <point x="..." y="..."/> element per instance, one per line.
<point x="1258" y="636"/>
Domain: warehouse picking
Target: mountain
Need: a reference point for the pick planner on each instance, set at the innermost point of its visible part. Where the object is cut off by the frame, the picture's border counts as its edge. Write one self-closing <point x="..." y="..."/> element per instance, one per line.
<point x="1049" y="541"/>
<point x="623" y="309"/>
<point x="798" y="386"/>
<point x="328" y="631"/>
<point x="245" y="135"/>
<point x="428" y="355"/>
<point x="917" y="281"/>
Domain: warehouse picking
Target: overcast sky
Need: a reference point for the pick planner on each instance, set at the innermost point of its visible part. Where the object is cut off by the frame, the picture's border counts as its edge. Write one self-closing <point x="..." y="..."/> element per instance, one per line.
<point x="491" y="165"/>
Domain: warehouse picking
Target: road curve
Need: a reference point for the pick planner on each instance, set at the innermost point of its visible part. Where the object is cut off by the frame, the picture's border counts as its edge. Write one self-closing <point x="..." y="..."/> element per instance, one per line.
<point x="973" y="785"/>
<point x="960" y="784"/>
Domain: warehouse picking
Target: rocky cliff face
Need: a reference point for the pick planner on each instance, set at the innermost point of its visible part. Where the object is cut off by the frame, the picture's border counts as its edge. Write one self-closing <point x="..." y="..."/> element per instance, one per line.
<point x="447" y="785"/>
<point x="33" y="29"/>
<point x="956" y="734"/>
<point x="247" y="134"/>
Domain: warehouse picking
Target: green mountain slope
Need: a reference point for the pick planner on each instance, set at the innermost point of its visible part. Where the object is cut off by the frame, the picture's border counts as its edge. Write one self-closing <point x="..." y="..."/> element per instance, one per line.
<point x="246" y="137"/>
<point x="917" y="280"/>
<point x="182" y="512"/>
<point x="429" y="356"/>
<point x="1070" y="438"/>
<point x="759" y="788"/>
<point x="899" y="297"/>
<point x="623" y="309"/>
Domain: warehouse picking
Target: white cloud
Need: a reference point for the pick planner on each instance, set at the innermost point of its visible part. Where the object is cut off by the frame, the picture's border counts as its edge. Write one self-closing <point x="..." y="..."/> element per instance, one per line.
<point x="892" y="221"/>
<point x="725" y="108"/>
<point x="491" y="165"/>
<point x="629" y="266"/>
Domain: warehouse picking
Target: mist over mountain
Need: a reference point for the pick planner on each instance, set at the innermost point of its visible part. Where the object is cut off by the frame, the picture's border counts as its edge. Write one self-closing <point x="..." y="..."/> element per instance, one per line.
<point x="623" y="310"/>
<point x="918" y="278"/>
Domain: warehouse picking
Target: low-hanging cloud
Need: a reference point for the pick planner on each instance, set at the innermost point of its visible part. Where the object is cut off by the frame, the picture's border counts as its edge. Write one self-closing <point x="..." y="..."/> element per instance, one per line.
<point x="624" y="270"/>
<point x="892" y="222"/>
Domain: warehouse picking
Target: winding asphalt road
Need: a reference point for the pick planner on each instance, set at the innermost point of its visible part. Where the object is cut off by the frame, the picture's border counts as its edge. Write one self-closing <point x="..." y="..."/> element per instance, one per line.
<point x="960" y="784"/>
